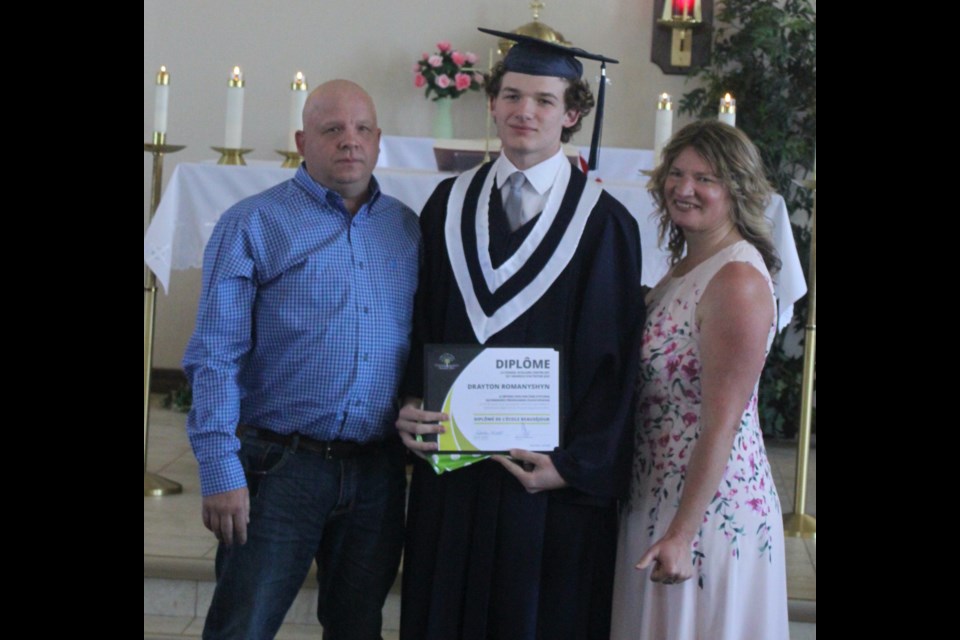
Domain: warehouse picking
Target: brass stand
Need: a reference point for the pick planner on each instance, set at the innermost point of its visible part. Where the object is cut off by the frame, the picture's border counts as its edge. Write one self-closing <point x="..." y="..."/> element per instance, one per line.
<point x="153" y="484"/>
<point x="231" y="156"/>
<point x="798" y="524"/>
<point x="291" y="159"/>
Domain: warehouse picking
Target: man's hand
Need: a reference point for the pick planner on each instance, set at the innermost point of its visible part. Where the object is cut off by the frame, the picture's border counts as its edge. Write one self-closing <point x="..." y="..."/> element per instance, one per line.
<point x="414" y="421"/>
<point x="537" y="473"/>
<point x="227" y="515"/>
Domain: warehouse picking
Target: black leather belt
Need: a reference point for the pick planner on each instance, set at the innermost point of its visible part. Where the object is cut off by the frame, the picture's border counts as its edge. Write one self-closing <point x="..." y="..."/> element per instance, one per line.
<point x="331" y="450"/>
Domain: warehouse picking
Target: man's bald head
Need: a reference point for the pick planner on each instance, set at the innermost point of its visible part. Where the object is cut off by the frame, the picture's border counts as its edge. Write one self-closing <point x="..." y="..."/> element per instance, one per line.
<point x="340" y="141"/>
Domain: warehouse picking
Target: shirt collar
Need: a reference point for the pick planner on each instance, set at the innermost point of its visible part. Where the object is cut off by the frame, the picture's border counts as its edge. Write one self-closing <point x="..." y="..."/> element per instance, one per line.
<point x="540" y="176"/>
<point x="324" y="194"/>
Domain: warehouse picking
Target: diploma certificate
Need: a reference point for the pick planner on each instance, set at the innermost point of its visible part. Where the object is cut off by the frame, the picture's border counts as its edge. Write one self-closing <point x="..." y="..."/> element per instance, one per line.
<point x="498" y="398"/>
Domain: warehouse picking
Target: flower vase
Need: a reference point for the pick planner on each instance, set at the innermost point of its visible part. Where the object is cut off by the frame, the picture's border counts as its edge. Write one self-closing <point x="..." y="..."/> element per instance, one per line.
<point x="443" y="119"/>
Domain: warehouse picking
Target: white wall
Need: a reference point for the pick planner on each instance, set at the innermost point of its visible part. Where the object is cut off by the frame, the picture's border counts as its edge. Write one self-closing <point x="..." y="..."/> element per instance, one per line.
<point x="375" y="43"/>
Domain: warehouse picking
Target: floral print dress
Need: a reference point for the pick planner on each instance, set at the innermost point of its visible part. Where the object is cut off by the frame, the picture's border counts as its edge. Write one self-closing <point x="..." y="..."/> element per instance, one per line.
<point x="739" y="585"/>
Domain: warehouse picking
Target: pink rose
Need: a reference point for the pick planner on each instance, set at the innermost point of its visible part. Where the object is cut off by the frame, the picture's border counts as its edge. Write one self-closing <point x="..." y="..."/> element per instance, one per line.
<point x="416" y="67"/>
<point x="424" y="55"/>
<point x="471" y="58"/>
<point x="443" y="81"/>
<point x="435" y="61"/>
<point x="443" y="46"/>
<point x="419" y="80"/>
<point x="462" y="81"/>
<point x="458" y="58"/>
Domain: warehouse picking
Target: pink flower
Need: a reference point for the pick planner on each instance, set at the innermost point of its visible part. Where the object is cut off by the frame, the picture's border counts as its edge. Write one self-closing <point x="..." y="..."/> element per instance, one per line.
<point x="672" y="365"/>
<point x="471" y="58"/>
<point x="435" y="61"/>
<point x="443" y="81"/>
<point x="462" y="81"/>
<point x="419" y="80"/>
<point x="478" y="77"/>
<point x="444" y="46"/>
<point x="416" y="67"/>
<point x="424" y="55"/>
<point x="458" y="58"/>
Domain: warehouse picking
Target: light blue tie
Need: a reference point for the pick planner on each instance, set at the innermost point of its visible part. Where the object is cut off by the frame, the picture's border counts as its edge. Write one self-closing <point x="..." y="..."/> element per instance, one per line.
<point x="514" y="202"/>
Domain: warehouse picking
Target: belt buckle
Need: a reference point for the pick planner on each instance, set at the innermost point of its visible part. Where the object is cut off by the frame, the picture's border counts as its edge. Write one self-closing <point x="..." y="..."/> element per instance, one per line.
<point x="327" y="451"/>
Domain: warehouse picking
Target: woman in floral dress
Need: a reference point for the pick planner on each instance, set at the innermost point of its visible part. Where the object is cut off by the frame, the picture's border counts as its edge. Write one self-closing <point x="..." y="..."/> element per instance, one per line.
<point x="700" y="552"/>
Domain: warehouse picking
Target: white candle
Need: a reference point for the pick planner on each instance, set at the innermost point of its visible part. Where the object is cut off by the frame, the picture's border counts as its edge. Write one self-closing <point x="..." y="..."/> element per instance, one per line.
<point x="664" y="126"/>
<point x="234" y="131"/>
<point x="298" y="98"/>
<point x="697" y="11"/>
<point x="667" y="10"/>
<point x="728" y="110"/>
<point x="161" y="98"/>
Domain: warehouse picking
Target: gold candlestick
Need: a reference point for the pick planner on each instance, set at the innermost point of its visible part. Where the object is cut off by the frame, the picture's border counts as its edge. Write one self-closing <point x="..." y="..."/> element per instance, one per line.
<point x="799" y="524"/>
<point x="291" y="159"/>
<point x="231" y="156"/>
<point x="153" y="484"/>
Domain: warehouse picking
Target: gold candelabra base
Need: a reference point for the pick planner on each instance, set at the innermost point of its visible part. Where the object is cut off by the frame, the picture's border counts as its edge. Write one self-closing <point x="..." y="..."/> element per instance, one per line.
<point x="231" y="156"/>
<point x="291" y="159"/>
<point x="800" y="525"/>
<point x="155" y="486"/>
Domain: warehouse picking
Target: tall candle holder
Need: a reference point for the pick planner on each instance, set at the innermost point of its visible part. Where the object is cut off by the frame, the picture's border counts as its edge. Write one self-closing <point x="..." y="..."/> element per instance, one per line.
<point x="153" y="485"/>
<point x="231" y="156"/>
<point x="799" y="524"/>
<point x="291" y="159"/>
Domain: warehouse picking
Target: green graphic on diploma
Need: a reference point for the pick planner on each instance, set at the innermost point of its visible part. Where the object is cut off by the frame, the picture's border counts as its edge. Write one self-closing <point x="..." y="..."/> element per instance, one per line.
<point x="497" y="398"/>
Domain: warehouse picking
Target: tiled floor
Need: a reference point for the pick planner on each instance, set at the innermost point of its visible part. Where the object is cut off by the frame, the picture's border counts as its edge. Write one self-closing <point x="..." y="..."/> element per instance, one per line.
<point x="178" y="551"/>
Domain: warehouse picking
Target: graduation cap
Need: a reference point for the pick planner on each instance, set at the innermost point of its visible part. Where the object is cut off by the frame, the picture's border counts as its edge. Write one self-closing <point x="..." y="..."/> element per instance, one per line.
<point x="537" y="57"/>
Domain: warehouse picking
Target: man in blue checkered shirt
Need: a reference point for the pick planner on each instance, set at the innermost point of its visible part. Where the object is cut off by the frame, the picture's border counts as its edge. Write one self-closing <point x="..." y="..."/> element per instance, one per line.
<point x="302" y="335"/>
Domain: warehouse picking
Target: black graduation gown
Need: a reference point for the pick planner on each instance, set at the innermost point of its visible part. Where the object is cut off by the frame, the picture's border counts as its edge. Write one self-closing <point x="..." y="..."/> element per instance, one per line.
<point x="483" y="558"/>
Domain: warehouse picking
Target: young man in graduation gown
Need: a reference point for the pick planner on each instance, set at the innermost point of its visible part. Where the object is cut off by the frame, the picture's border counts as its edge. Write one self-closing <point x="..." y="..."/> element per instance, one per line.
<point x="523" y="547"/>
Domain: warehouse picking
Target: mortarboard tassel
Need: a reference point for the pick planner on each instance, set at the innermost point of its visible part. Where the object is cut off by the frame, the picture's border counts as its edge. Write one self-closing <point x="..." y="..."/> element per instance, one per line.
<point x="598" y="119"/>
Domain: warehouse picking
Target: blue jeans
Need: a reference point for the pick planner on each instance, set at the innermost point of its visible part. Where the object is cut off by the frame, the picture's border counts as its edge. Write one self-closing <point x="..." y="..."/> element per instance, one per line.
<point x="346" y="514"/>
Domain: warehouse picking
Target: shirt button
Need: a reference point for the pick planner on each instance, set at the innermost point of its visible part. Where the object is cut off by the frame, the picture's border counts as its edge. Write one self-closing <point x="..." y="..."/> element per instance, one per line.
<point x="360" y="264"/>
<point x="366" y="309"/>
<point x="366" y="357"/>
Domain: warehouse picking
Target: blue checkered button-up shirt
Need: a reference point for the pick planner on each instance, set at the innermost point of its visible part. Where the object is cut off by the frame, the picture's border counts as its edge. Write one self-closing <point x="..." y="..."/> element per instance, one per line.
<point x="304" y="322"/>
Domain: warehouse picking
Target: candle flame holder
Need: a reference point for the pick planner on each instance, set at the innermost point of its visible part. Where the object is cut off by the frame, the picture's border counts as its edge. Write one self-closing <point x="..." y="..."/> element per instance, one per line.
<point x="291" y="159"/>
<point x="680" y="41"/>
<point x="231" y="156"/>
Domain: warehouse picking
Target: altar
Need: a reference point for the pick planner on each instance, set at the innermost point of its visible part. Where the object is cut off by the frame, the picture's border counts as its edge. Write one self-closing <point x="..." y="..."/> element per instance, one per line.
<point x="199" y="192"/>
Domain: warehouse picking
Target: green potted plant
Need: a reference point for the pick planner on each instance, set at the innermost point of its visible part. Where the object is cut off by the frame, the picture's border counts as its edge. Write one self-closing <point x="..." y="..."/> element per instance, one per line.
<point x="765" y="54"/>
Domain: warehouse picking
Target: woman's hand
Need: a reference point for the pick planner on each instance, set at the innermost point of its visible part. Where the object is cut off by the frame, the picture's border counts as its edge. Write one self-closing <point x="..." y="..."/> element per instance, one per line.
<point x="413" y="421"/>
<point x="537" y="473"/>
<point x="672" y="557"/>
